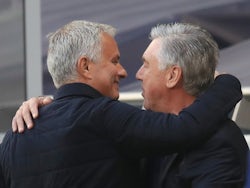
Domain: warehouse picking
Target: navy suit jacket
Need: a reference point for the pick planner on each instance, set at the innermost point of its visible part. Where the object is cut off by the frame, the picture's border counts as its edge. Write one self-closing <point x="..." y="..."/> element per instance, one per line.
<point x="219" y="163"/>
<point x="83" y="139"/>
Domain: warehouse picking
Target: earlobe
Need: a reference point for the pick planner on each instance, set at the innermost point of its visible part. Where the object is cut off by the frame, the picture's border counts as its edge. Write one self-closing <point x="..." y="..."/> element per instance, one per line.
<point x="173" y="76"/>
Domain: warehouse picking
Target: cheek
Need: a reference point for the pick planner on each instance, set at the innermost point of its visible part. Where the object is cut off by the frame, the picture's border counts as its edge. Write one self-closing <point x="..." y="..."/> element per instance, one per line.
<point x="106" y="78"/>
<point x="151" y="94"/>
<point x="154" y="89"/>
<point x="150" y="90"/>
<point x="111" y="86"/>
<point x="153" y="84"/>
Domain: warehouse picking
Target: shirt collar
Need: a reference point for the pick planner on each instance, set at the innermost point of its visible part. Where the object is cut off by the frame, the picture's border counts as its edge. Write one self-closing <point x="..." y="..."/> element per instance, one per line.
<point x="76" y="89"/>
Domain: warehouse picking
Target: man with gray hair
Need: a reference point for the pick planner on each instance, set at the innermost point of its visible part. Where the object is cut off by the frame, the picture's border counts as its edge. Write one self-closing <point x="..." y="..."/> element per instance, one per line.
<point x="85" y="137"/>
<point x="182" y="59"/>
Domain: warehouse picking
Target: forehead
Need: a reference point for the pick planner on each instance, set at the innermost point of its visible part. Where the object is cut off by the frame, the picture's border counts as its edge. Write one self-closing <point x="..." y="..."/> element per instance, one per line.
<point x="152" y="49"/>
<point x="109" y="44"/>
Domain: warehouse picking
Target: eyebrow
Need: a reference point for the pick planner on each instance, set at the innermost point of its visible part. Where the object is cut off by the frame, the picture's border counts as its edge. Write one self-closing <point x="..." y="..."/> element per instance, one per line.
<point x="117" y="57"/>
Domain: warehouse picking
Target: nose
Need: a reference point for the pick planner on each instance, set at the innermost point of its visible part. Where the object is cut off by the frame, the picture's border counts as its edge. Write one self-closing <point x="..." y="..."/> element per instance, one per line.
<point x="122" y="72"/>
<point x="138" y="74"/>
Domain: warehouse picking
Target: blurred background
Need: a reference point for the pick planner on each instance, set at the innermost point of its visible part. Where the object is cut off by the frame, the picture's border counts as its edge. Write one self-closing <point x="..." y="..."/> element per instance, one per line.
<point x="24" y="25"/>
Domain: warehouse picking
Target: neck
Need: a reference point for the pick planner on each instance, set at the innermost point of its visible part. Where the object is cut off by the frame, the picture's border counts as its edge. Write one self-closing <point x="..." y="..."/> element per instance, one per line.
<point x="177" y="100"/>
<point x="182" y="103"/>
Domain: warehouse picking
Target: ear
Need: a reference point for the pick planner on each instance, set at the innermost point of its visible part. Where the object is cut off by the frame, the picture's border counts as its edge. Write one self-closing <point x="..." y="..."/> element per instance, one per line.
<point x="82" y="67"/>
<point x="173" y="76"/>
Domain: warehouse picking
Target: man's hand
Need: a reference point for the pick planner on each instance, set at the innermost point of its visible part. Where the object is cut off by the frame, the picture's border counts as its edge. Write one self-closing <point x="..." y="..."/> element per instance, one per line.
<point x="27" y="112"/>
<point x="217" y="73"/>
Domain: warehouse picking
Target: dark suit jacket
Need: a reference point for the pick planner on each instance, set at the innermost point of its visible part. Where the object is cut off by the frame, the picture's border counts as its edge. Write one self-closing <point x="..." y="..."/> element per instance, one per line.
<point x="219" y="163"/>
<point x="83" y="139"/>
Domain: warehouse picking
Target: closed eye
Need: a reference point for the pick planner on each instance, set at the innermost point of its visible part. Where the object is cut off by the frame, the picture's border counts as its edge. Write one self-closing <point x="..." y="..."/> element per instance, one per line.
<point x="116" y="60"/>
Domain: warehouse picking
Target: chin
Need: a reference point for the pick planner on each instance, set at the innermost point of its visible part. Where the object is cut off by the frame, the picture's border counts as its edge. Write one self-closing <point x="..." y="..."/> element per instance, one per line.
<point x="115" y="96"/>
<point x="145" y="106"/>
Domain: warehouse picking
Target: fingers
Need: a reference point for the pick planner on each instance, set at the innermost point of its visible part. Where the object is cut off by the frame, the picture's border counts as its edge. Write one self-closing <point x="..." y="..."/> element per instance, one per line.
<point x="46" y="100"/>
<point x="15" y="124"/>
<point x="216" y="73"/>
<point x="31" y="107"/>
<point x="27" y="112"/>
<point x="22" y="118"/>
<point x="34" y="104"/>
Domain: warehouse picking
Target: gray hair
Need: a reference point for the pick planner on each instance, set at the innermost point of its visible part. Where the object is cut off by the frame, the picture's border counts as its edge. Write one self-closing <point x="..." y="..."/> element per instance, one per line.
<point x="67" y="44"/>
<point x="190" y="47"/>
